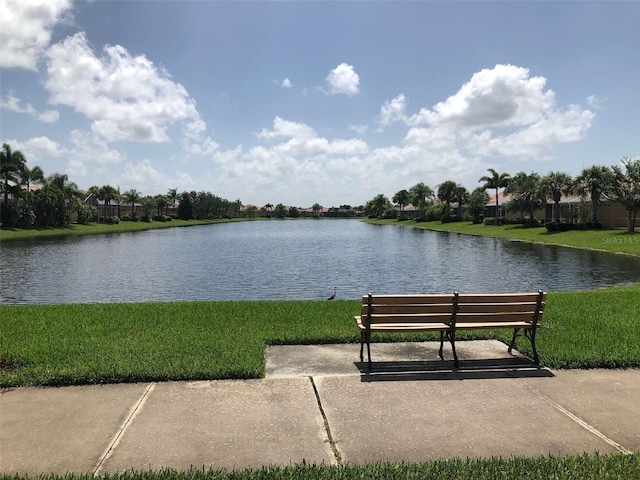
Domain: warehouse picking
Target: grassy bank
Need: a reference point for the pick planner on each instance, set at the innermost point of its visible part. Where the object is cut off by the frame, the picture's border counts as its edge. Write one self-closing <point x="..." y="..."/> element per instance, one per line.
<point x="108" y="343"/>
<point x="584" y="467"/>
<point x="618" y="241"/>
<point x="15" y="234"/>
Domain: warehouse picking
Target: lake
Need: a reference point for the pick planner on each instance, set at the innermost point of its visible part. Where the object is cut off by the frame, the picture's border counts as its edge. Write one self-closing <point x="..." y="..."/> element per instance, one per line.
<point x="292" y="260"/>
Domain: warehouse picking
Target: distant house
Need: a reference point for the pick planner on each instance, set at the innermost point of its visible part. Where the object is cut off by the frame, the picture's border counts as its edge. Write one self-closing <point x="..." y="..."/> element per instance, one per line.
<point x="408" y="212"/>
<point x="114" y="208"/>
<point x="610" y="214"/>
<point x="575" y="209"/>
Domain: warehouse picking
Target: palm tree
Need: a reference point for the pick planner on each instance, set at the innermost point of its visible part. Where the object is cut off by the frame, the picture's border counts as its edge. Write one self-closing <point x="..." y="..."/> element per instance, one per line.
<point x="477" y="203"/>
<point x="495" y="181"/>
<point x="527" y="192"/>
<point x="147" y="203"/>
<point x="59" y="198"/>
<point x="626" y="189"/>
<point x="378" y="205"/>
<point x="445" y="192"/>
<point x="161" y="202"/>
<point x="596" y="181"/>
<point x="29" y="176"/>
<point x="315" y="208"/>
<point x="107" y="193"/>
<point x="172" y="194"/>
<point x="460" y="195"/>
<point x="554" y="185"/>
<point x="420" y="195"/>
<point x="132" y="197"/>
<point x="401" y="198"/>
<point x="12" y="163"/>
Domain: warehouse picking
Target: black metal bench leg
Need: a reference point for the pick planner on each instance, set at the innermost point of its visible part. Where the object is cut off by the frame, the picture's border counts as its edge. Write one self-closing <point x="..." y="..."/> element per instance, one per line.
<point x="513" y="340"/>
<point x="532" y="338"/>
<point x="452" y="340"/>
<point x="441" y="343"/>
<point x="361" y="347"/>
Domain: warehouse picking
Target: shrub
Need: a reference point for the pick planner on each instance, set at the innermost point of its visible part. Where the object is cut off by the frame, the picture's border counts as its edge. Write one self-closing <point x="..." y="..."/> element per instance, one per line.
<point x="492" y="221"/>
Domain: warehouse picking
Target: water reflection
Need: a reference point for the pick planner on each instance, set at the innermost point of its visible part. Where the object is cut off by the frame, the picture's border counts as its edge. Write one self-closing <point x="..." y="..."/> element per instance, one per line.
<point x="292" y="260"/>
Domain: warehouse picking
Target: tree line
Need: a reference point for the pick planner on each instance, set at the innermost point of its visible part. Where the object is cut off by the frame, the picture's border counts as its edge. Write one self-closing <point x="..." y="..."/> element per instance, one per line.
<point x="57" y="198"/>
<point x="527" y="193"/>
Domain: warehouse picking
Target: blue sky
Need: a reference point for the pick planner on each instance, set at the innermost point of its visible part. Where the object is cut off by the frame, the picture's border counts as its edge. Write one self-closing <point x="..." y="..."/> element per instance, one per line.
<point x="316" y="102"/>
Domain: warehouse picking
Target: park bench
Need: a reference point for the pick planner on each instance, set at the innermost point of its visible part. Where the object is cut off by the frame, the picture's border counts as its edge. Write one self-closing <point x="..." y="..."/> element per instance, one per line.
<point x="449" y="313"/>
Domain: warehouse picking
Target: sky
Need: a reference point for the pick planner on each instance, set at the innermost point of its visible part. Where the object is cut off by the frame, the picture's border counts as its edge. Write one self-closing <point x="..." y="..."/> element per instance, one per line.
<point x="324" y="102"/>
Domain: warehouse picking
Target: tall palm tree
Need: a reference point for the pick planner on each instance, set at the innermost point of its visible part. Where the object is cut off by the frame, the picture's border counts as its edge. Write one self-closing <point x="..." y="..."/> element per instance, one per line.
<point x="445" y="192"/>
<point x="495" y="181"/>
<point x="420" y="195"/>
<point x="161" y="203"/>
<point x="554" y="185"/>
<point x="62" y="197"/>
<point x="460" y="195"/>
<point x="626" y="189"/>
<point x="172" y="195"/>
<point x="595" y="181"/>
<point x="12" y="163"/>
<point x="30" y="176"/>
<point x="401" y="198"/>
<point x="527" y="192"/>
<point x="132" y="197"/>
<point x="379" y="204"/>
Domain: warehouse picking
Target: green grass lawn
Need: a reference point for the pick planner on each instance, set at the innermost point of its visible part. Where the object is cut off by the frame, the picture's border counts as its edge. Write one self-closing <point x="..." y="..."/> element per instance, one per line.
<point x="609" y="240"/>
<point x="580" y="467"/>
<point x="14" y="234"/>
<point x="130" y="342"/>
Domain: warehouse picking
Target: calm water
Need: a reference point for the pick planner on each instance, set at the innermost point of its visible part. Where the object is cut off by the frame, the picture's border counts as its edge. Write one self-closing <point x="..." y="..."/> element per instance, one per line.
<point x="291" y="260"/>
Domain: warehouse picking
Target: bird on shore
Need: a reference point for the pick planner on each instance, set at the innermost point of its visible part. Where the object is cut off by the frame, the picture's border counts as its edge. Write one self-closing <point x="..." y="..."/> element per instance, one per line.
<point x="334" y="294"/>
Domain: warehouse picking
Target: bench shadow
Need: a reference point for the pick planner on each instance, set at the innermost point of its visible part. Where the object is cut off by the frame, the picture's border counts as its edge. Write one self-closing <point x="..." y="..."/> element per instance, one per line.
<point x="444" y="370"/>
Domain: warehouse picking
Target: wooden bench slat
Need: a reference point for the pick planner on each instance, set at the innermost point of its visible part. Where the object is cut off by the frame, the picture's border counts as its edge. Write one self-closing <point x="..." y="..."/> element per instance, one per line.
<point x="498" y="298"/>
<point x="489" y="325"/>
<point x="408" y="309"/>
<point x="494" y="318"/>
<point x="488" y="308"/>
<point x="404" y="299"/>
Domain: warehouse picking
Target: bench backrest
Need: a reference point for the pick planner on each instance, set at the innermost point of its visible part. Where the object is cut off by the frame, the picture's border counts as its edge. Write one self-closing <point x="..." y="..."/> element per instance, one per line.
<point x="500" y="307"/>
<point x="453" y="309"/>
<point x="377" y="309"/>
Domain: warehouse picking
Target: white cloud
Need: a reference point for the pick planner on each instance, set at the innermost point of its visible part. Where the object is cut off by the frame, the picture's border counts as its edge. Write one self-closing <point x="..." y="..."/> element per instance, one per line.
<point x="393" y="111"/>
<point x="286" y="83"/>
<point x="294" y="155"/>
<point x="502" y="96"/>
<point x="596" y="102"/>
<point x="359" y="129"/>
<point x="25" y="30"/>
<point x="14" y="104"/>
<point x="49" y="116"/>
<point x="143" y="173"/>
<point x="499" y="112"/>
<point x="39" y="148"/>
<point x="343" y="80"/>
<point x="126" y="97"/>
<point x="556" y="127"/>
